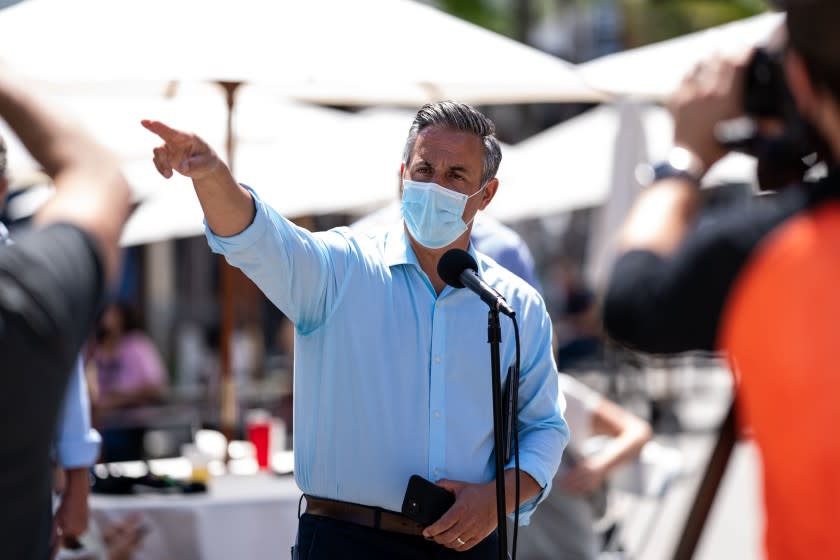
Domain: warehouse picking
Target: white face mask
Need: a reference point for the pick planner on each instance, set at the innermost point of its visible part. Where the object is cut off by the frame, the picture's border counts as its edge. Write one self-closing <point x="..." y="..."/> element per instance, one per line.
<point x="434" y="214"/>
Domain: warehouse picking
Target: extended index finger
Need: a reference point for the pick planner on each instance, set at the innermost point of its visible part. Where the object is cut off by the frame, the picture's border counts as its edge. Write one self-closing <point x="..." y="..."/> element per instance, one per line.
<point x="167" y="133"/>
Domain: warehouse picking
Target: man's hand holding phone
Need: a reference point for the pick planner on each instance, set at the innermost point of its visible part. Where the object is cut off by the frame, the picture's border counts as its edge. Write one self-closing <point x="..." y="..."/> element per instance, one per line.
<point x="469" y="520"/>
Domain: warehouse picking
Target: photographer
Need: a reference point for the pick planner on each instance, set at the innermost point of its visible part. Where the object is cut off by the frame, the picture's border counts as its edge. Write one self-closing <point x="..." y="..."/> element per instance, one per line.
<point x="51" y="282"/>
<point x="761" y="283"/>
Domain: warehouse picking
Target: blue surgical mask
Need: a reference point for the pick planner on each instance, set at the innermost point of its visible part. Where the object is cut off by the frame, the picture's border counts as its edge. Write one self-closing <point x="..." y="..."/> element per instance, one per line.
<point x="433" y="214"/>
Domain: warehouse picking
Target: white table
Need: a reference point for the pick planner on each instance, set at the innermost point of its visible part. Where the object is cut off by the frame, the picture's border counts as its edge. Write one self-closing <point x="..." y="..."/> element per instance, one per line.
<point x="239" y="517"/>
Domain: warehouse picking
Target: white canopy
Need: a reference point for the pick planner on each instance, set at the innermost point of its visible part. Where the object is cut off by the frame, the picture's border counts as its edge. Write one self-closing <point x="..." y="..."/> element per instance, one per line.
<point x="361" y="52"/>
<point x="303" y="159"/>
<point x="570" y="165"/>
<point x="654" y="71"/>
<point x="344" y="52"/>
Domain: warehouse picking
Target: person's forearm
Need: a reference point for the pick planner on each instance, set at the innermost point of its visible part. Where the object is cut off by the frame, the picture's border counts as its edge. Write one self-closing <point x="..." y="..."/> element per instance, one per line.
<point x="227" y="206"/>
<point x="54" y="141"/>
<point x="91" y="192"/>
<point x="73" y="512"/>
<point x="660" y="217"/>
<point x="528" y="489"/>
<point x="627" y="432"/>
<point x="623" y="448"/>
<point x="77" y="481"/>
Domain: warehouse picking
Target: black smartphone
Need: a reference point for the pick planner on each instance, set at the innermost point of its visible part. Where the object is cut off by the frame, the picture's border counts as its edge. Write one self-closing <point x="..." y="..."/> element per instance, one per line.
<point x="425" y="501"/>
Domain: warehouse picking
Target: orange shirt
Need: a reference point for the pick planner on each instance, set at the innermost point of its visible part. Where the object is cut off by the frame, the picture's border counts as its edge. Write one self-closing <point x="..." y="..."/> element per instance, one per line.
<point x="781" y="327"/>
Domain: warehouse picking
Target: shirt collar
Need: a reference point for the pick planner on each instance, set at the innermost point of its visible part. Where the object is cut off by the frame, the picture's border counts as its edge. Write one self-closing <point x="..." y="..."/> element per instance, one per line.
<point x="398" y="249"/>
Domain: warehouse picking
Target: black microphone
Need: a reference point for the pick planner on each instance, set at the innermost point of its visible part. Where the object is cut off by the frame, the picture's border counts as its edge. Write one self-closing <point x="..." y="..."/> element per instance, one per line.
<point x="458" y="269"/>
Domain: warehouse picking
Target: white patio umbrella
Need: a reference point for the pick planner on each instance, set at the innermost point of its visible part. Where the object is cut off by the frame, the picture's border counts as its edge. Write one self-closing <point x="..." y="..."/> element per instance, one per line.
<point x="361" y="52"/>
<point x="654" y="71"/>
<point x="325" y="50"/>
<point x="569" y="166"/>
<point x="630" y="149"/>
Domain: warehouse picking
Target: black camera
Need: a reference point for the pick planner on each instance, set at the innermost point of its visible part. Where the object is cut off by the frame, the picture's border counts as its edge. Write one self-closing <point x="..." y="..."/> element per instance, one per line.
<point x="785" y="144"/>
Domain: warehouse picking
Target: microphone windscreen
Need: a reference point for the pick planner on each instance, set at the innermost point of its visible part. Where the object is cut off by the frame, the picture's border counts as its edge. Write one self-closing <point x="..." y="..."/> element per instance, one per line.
<point x="452" y="264"/>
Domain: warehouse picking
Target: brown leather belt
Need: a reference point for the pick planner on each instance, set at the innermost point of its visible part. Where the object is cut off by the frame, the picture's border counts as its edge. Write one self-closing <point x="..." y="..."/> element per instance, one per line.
<point x="366" y="516"/>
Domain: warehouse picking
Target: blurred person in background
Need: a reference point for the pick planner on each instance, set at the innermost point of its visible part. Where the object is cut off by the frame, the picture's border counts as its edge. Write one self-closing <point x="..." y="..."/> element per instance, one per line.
<point x="129" y="368"/>
<point x="583" y="345"/>
<point x="129" y="374"/>
<point x="77" y="443"/>
<point x="759" y="284"/>
<point x="564" y="526"/>
<point x="51" y="285"/>
<point x="390" y="362"/>
<point x="76" y="450"/>
<point x="118" y="540"/>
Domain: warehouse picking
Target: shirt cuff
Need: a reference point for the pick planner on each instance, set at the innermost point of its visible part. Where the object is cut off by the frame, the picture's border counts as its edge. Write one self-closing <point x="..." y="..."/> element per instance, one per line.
<point x="246" y="237"/>
<point x="527" y="508"/>
<point x="79" y="453"/>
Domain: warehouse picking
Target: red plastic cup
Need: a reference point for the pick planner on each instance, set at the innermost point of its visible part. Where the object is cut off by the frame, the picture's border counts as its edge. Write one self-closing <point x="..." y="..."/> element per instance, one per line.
<point x="259" y="430"/>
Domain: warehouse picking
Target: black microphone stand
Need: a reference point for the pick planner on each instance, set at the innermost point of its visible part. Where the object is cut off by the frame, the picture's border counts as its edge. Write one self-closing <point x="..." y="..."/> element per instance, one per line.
<point x="494" y="338"/>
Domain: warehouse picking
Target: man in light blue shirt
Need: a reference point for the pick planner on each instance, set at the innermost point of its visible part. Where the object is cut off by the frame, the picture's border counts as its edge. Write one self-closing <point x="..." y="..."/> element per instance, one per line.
<point x="392" y="366"/>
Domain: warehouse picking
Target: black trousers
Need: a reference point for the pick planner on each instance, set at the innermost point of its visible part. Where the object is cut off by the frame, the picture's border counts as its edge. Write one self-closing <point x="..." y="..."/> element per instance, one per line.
<point x="323" y="538"/>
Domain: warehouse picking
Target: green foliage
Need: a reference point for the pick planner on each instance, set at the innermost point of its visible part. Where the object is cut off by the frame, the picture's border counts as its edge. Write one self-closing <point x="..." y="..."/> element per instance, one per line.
<point x="649" y="21"/>
<point x="495" y="16"/>
<point x="645" y="21"/>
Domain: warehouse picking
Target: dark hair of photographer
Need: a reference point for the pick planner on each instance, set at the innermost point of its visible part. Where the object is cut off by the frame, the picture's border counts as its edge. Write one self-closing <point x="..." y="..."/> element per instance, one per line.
<point x="812" y="31"/>
<point x="777" y="128"/>
<point x="756" y="282"/>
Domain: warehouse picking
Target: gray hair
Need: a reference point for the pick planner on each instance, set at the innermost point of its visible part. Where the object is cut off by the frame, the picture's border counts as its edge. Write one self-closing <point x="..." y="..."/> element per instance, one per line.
<point x="458" y="116"/>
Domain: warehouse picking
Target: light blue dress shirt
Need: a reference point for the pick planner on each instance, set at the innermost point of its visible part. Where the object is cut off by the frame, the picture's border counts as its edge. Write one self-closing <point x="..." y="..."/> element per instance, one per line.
<point x="392" y="379"/>
<point x="77" y="443"/>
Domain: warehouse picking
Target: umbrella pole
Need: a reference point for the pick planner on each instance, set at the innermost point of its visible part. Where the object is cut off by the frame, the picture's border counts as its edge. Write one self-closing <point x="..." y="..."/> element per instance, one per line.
<point x="226" y="287"/>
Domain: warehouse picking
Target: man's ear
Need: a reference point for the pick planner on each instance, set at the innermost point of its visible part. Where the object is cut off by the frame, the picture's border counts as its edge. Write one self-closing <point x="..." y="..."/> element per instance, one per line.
<point x="801" y="85"/>
<point x="489" y="192"/>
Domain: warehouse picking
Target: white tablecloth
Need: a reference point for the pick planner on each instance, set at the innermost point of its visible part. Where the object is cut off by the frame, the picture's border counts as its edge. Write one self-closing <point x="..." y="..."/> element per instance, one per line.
<point x="241" y="517"/>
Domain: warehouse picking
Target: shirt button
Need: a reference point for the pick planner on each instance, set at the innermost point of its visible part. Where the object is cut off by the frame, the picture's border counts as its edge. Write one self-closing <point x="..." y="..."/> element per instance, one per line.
<point x="437" y="414"/>
<point x="437" y="359"/>
<point x="436" y="472"/>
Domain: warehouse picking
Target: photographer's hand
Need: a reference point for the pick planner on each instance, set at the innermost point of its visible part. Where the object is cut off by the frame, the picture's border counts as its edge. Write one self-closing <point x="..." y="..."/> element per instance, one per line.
<point x="664" y="211"/>
<point x="711" y="93"/>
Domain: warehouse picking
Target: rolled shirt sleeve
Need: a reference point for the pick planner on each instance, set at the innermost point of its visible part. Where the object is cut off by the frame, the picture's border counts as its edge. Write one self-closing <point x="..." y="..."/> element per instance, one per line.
<point x="543" y="433"/>
<point x="78" y="442"/>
